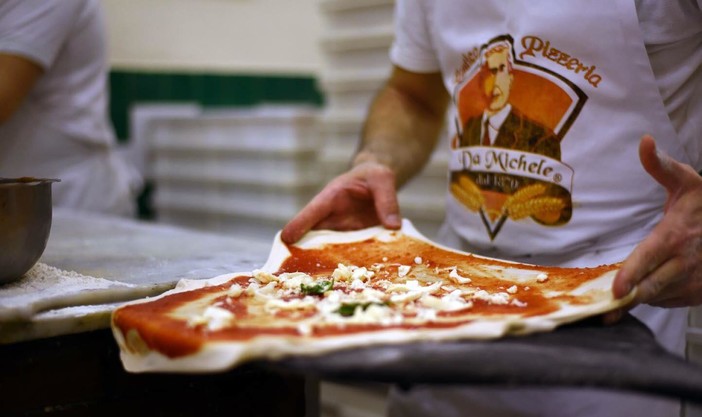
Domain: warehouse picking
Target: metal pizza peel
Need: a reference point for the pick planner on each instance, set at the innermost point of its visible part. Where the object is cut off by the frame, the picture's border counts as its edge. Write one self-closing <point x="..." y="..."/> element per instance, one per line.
<point x="624" y="356"/>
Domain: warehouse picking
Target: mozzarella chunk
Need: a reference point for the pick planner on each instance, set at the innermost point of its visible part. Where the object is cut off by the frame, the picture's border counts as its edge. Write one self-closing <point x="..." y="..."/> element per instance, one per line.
<point x="263" y="277"/>
<point x="403" y="270"/>
<point x="357" y="284"/>
<point x="262" y="293"/>
<point x="370" y="295"/>
<point x="293" y="280"/>
<point x="342" y="273"/>
<point x="414" y="285"/>
<point x="500" y="298"/>
<point x="362" y="274"/>
<point x="294" y="304"/>
<point x="411" y="290"/>
<point x="304" y="329"/>
<point x="452" y="301"/>
<point x="252" y="289"/>
<point x="426" y="314"/>
<point x="328" y="305"/>
<point x="235" y="291"/>
<point x="453" y="275"/>
<point x="518" y="303"/>
<point x="405" y="297"/>
<point x="375" y="314"/>
<point x="214" y="318"/>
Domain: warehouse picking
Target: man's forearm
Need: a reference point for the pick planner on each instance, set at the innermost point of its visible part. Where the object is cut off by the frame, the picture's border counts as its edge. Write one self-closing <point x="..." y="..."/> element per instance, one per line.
<point x="18" y="76"/>
<point x="403" y="124"/>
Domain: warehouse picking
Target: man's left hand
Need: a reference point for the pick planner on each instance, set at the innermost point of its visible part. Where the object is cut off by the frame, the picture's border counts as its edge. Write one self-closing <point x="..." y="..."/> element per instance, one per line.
<point x="666" y="268"/>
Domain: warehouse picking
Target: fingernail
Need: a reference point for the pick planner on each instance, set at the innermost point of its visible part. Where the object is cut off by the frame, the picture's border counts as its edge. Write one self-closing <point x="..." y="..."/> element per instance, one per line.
<point x="628" y="288"/>
<point x="393" y="219"/>
<point x="624" y="290"/>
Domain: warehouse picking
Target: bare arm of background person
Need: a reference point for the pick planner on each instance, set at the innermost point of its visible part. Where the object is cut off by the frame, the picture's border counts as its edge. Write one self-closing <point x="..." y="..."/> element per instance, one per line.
<point x="17" y="78"/>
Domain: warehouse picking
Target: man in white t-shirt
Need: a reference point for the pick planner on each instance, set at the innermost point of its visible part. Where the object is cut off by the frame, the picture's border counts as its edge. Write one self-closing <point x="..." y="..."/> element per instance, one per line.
<point x="607" y="76"/>
<point x="53" y="105"/>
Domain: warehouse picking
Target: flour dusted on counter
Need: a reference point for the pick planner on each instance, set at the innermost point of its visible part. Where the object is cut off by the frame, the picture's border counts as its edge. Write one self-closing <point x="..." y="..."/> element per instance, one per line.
<point x="42" y="276"/>
<point x="45" y="287"/>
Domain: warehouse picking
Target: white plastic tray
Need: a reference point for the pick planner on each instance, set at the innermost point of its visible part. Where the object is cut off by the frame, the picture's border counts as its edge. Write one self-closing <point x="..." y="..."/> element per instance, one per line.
<point x="358" y="38"/>
<point x="267" y="129"/>
<point x="264" y="168"/>
<point x="255" y="202"/>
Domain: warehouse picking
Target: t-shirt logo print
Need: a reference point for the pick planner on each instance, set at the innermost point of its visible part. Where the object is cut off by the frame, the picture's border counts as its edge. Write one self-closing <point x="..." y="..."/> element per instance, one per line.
<point x="511" y="117"/>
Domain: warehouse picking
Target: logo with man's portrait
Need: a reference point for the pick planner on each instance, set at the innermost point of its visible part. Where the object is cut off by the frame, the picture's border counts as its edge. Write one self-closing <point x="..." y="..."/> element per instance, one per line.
<point x="511" y="117"/>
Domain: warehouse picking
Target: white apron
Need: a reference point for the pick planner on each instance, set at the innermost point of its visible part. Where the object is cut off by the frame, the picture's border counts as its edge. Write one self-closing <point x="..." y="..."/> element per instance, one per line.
<point x="553" y="177"/>
<point x="595" y="101"/>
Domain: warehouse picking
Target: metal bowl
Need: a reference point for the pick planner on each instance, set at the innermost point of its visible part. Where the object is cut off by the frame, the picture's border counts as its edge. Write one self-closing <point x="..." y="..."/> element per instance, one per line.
<point x="25" y="223"/>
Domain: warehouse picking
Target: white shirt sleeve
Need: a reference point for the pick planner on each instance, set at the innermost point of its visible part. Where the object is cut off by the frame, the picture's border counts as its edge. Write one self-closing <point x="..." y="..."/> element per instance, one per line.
<point x="36" y="29"/>
<point x="413" y="49"/>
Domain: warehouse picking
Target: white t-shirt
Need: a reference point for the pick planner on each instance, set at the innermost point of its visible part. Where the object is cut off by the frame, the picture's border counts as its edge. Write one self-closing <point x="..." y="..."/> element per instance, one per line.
<point x="61" y="130"/>
<point x="622" y="68"/>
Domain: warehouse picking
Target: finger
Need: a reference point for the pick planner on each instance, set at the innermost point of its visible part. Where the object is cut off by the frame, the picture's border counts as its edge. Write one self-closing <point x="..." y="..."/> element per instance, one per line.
<point x="645" y="258"/>
<point x="315" y="211"/>
<point x="382" y="186"/>
<point x="682" y="288"/>
<point x="659" y="284"/>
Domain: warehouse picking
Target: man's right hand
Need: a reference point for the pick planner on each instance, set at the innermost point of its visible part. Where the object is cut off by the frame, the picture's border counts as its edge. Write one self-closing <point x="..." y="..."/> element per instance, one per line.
<point x="399" y="135"/>
<point x="364" y="196"/>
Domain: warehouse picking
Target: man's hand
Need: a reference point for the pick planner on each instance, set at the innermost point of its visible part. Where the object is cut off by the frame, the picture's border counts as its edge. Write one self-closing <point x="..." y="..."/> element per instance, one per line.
<point x="362" y="197"/>
<point x="666" y="268"/>
<point x="402" y="127"/>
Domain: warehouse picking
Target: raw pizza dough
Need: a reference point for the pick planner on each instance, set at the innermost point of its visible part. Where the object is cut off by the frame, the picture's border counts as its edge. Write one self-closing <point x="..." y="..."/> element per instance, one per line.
<point x="339" y="290"/>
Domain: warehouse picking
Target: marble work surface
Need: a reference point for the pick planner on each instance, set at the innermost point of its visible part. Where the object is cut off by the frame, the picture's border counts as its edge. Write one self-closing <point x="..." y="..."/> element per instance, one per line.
<point x="138" y="259"/>
<point x="145" y="253"/>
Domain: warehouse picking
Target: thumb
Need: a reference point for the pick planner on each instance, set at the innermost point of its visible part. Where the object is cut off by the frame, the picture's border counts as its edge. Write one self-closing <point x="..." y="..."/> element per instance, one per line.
<point x="660" y="166"/>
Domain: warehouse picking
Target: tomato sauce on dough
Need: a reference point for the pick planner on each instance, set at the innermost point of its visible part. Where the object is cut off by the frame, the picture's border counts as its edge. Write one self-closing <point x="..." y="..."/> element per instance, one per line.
<point x="163" y="326"/>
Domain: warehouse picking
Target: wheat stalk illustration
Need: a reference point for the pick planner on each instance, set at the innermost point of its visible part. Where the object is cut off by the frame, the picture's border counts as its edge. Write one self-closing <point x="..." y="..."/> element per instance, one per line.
<point x="468" y="193"/>
<point x="529" y="201"/>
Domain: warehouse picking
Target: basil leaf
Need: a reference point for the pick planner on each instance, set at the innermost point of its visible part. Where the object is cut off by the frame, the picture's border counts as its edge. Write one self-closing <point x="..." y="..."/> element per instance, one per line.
<point x="318" y="288"/>
<point x="347" y="309"/>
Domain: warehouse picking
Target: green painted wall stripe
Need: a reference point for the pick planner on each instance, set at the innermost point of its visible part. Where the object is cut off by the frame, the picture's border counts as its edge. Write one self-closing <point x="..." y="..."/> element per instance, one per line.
<point x="209" y="90"/>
